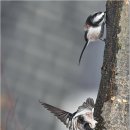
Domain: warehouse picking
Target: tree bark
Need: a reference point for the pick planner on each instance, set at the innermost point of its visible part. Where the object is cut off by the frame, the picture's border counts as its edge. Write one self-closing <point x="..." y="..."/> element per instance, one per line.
<point x="111" y="108"/>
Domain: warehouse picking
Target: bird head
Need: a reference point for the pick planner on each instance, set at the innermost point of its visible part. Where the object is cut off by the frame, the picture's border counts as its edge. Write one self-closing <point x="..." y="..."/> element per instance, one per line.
<point x="96" y="19"/>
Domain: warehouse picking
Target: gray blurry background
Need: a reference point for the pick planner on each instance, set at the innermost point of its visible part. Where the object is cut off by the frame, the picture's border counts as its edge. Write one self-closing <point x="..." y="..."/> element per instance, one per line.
<point x="41" y="45"/>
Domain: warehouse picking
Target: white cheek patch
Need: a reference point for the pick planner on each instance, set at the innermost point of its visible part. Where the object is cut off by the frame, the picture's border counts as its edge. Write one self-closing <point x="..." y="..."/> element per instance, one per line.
<point x="82" y="112"/>
<point x="96" y="19"/>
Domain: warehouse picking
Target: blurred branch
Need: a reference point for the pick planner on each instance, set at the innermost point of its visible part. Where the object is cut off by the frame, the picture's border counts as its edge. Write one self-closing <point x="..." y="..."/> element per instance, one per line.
<point x="111" y="108"/>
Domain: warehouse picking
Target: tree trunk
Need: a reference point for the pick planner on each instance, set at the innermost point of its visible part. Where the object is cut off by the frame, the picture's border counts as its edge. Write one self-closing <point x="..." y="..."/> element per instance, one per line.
<point x="111" y="108"/>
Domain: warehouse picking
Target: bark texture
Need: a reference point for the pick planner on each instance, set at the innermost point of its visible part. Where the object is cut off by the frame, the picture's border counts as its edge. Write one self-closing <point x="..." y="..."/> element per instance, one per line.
<point x="111" y="109"/>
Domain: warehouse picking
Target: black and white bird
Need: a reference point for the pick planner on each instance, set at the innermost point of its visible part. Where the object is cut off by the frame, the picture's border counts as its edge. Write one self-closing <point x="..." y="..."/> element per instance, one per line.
<point x="82" y="119"/>
<point x="94" y="29"/>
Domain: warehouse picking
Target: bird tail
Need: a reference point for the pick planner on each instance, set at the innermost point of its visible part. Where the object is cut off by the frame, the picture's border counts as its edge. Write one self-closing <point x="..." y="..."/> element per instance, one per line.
<point x="86" y="44"/>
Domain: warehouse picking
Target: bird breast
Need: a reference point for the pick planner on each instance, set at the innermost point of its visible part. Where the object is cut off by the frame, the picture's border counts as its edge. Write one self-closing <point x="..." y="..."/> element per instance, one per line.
<point x="94" y="33"/>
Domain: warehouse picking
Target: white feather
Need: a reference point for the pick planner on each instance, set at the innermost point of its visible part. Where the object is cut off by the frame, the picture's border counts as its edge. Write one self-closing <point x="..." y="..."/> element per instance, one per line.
<point x="94" y="33"/>
<point x="99" y="16"/>
<point x="82" y="112"/>
<point x="90" y="119"/>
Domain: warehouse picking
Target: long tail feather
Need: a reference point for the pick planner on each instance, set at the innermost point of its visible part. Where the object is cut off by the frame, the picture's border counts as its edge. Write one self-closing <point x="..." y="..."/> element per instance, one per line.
<point x="86" y="44"/>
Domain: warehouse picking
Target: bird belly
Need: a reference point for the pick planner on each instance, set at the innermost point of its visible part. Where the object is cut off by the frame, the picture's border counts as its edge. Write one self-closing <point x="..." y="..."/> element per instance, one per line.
<point x="94" y="33"/>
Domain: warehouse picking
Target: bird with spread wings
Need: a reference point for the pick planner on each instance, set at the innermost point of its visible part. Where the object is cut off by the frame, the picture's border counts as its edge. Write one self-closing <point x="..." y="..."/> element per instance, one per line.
<point x="82" y="119"/>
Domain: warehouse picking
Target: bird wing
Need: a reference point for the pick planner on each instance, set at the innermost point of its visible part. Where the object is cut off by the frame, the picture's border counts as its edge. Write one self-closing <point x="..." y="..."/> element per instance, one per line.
<point x="90" y="103"/>
<point x="60" y="114"/>
<point x="102" y="29"/>
<point x="86" y="107"/>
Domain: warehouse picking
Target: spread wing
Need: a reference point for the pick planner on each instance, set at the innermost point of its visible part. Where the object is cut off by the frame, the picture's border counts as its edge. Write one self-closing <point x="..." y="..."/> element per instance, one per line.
<point x="90" y="103"/>
<point x="86" y="107"/>
<point x="60" y="114"/>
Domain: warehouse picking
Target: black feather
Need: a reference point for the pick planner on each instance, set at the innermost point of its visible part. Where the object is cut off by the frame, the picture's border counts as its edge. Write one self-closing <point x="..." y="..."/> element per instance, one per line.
<point x="83" y="47"/>
<point x="60" y="114"/>
<point x="102" y="29"/>
<point x="90" y="103"/>
<point x="87" y="127"/>
<point x="91" y="17"/>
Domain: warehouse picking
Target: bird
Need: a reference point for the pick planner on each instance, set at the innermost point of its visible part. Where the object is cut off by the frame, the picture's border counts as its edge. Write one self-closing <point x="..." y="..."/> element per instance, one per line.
<point x="94" y="29"/>
<point x="82" y="119"/>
